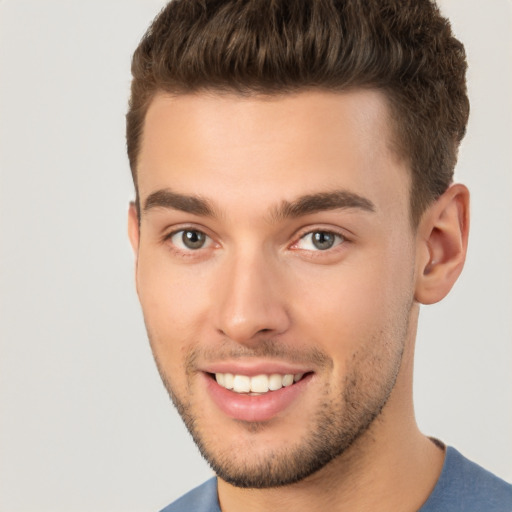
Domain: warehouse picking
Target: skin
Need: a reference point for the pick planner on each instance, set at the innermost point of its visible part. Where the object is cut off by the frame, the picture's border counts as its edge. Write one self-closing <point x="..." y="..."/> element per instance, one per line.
<point x="259" y="291"/>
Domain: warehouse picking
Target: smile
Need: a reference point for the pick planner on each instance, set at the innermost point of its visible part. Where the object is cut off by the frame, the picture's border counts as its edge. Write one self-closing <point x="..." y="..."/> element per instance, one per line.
<point x="255" y="395"/>
<point x="257" y="384"/>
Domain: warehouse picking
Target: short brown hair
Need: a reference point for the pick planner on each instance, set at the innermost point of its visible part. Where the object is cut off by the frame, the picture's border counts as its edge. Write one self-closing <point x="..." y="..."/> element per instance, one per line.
<point x="404" y="48"/>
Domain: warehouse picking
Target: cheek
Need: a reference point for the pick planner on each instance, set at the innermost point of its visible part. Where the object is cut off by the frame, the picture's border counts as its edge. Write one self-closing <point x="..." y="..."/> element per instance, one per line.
<point x="174" y="304"/>
<point x="354" y="304"/>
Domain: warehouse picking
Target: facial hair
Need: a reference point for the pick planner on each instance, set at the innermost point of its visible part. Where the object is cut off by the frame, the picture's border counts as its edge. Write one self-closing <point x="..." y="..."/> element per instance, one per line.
<point x="334" y="426"/>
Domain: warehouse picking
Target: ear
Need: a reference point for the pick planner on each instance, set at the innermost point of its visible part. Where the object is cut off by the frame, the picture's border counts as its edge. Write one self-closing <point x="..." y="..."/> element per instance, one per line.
<point x="442" y="242"/>
<point x="133" y="229"/>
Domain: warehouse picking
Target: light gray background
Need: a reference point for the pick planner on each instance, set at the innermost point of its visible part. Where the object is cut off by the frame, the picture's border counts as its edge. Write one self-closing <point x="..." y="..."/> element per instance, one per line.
<point x="85" y="424"/>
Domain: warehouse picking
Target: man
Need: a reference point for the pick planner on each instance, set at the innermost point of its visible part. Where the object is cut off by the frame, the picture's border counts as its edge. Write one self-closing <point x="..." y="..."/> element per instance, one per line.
<point x="293" y="164"/>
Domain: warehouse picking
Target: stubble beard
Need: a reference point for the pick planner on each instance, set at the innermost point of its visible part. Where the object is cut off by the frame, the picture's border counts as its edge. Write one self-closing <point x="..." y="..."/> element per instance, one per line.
<point x="334" y="427"/>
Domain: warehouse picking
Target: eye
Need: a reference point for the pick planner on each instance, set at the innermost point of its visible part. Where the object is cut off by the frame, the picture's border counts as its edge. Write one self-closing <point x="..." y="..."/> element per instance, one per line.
<point x="319" y="241"/>
<point x="189" y="239"/>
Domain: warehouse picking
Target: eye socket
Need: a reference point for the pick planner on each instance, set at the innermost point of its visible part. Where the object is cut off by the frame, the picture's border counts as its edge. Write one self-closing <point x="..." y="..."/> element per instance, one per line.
<point x="190" y="239"/>
<point x="319" y="241"/>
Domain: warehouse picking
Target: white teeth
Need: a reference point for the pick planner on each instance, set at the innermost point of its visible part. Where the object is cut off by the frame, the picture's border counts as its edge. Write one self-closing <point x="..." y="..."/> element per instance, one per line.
<point x="257" y="384"/>
<point x="275" y="382"/>
<point x="241" y="384"/>
<point x="287" y="380"/>
<point x="228" y="381"/>
<point x="220" y="378"/>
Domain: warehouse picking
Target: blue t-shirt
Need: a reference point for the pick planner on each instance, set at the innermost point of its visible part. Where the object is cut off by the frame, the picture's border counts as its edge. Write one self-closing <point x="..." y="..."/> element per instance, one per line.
<point x="462" y="487"/>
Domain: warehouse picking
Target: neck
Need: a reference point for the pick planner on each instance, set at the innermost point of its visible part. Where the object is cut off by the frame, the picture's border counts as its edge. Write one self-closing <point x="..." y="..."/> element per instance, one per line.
<point x="398" y="477"/>
<point x="391" y="467"/>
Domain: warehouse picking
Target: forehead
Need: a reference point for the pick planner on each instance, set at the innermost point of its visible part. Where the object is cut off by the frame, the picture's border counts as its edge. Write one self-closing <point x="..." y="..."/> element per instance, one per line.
<point x="270" y="147"/>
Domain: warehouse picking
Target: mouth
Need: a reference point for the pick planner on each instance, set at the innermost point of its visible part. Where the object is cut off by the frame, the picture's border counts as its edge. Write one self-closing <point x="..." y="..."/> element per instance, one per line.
<point x="257" y="384"/>
<point x="257" y="397"/>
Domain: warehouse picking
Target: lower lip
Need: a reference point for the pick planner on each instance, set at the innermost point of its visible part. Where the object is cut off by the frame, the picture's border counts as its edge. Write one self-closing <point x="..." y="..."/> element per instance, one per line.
<point x="263" y="407"/>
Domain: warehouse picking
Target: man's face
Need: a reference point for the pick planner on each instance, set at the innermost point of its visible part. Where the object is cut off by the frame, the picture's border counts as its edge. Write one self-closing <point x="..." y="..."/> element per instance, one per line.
<point x="275" y="257"/>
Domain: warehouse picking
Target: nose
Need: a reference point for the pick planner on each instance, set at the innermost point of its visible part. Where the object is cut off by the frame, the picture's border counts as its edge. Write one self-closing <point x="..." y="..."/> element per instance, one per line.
<point x="251" y="301"/>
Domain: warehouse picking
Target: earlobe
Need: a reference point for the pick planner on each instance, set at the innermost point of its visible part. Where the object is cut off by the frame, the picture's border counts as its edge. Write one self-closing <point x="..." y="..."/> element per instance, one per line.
<point x="442" y="244"/>
<point x="133" y="228"/>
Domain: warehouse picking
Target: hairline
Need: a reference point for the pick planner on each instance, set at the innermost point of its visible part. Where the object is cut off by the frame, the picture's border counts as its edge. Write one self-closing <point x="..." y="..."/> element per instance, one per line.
<point x="214" y="90"/>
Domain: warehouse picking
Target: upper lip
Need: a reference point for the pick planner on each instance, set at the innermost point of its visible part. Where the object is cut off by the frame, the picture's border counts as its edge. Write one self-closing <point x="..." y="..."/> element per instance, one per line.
<point x="252" y="368"/>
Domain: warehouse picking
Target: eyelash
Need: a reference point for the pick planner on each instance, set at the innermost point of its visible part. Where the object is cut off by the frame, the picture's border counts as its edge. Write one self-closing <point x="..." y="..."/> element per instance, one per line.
<point x="185" y="251"/>
<point x="340" y="240"/>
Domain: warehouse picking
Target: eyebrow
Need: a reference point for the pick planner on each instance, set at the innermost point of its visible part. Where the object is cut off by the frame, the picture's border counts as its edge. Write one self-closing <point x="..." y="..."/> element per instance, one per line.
<point x="322" y="201"/>
<point x="304" y="205"/>
<point x="166" y="198"/>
